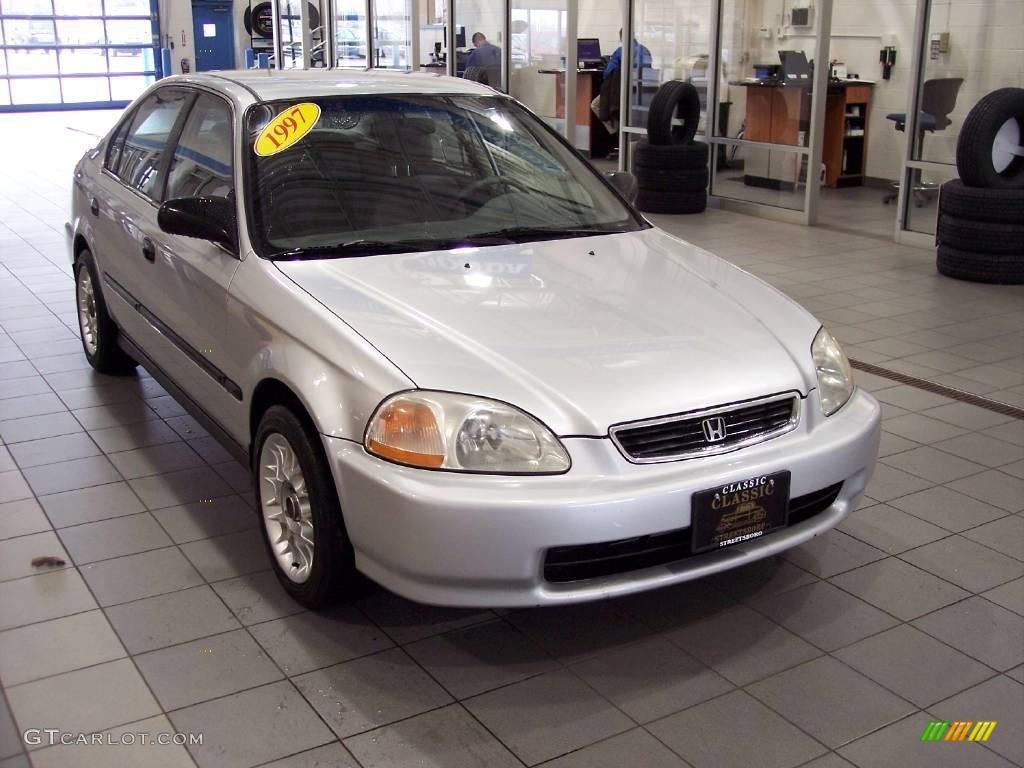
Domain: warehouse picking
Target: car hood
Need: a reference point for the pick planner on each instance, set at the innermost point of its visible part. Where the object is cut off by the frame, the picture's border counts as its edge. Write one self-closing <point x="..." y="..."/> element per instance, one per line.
<point x="582" y="333"/>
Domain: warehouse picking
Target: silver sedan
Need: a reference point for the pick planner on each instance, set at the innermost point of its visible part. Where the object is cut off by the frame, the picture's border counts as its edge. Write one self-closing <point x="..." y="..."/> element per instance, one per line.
<point x="455" y="357"/>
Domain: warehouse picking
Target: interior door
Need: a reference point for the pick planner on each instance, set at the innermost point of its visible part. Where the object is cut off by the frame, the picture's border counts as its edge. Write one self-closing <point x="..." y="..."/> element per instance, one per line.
<point x="214" y="36"/>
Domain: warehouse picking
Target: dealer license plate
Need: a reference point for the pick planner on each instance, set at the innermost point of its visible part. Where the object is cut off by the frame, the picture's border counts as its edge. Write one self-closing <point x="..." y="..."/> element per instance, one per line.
<point x="739" y="511"/>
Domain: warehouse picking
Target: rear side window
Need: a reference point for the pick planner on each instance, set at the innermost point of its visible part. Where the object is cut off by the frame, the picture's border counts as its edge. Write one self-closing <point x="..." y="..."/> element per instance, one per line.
<point x="202" y="164"/>
<point x="144" y="145"/>
<point x="117" y="145"/>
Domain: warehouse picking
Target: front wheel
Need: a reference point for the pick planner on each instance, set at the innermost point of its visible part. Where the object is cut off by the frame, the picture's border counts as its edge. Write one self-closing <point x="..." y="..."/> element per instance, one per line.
<point x="302" y="523"/>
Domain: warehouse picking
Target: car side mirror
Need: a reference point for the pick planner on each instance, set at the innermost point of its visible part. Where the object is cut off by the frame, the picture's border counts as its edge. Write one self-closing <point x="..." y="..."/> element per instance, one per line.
<point x="626" y="184"/>
<point x="206" y="218"/>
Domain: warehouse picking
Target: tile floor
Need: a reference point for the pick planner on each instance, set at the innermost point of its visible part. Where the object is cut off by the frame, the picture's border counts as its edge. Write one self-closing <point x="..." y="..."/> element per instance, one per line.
<point x="167" y="619"/>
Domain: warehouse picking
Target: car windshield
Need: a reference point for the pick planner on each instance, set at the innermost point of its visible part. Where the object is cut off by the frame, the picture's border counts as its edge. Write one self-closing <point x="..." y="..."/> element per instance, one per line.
<point x="396" y="173"/>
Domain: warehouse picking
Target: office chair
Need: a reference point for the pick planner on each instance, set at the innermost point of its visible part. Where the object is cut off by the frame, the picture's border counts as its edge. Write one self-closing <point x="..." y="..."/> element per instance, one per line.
<point x="938" y="98"/>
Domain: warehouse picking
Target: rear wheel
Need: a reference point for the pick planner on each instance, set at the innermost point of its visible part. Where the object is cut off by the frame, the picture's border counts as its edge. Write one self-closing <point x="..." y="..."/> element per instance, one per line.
<point x="303" y="527"/>
<point x="97" y="329"/>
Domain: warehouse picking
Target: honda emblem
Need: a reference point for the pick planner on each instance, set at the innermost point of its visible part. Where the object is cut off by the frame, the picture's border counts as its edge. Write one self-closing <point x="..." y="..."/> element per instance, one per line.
<point x="714" y="429"/>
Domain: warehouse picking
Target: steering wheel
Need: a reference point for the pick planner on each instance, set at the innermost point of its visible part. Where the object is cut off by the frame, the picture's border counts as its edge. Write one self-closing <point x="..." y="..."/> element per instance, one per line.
<point x="491" y="181"/>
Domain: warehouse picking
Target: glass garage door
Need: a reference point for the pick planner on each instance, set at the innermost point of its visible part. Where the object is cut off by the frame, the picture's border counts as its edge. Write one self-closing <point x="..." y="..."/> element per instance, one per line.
<point x="75" y="54"/>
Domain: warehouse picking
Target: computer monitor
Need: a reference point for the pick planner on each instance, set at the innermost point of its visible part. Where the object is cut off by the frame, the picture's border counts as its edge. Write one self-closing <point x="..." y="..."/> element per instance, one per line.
<point x="460" y="36"/>
<point x="794" y="66"/>
<point x="588" y="50"/>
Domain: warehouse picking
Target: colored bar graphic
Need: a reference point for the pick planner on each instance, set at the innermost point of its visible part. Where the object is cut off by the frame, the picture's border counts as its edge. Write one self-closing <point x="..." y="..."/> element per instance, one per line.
<point x="958" y="730"/>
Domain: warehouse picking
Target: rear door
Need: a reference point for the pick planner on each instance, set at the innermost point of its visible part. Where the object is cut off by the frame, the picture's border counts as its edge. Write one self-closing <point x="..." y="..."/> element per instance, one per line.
<point x="125" y="201"/>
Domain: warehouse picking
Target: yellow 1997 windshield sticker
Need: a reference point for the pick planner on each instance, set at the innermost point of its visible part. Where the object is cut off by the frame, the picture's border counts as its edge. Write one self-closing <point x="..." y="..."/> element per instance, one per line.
<point x="287" y="128"/>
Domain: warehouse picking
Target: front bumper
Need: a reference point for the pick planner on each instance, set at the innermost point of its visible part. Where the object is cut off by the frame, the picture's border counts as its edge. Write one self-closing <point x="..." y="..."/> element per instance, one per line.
<point x="480" y="540"/>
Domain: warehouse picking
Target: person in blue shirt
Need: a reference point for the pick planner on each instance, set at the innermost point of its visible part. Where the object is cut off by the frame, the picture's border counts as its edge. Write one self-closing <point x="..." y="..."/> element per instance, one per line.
<point x="484" y="54"/>
<point x="641" y="58"/>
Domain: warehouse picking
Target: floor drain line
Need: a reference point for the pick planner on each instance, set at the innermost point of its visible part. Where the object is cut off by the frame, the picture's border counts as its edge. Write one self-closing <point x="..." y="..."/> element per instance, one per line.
<point x="939" y="389"/>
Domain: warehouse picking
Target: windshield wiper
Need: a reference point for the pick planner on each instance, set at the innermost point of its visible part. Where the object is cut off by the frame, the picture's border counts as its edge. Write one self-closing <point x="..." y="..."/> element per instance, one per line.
<point x="526" y="234"/>
<point x="352" y="248"/>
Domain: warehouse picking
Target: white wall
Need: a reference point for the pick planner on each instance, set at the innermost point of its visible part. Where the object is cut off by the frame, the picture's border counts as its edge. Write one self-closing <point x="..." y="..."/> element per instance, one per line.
<point x="987" y="51"/>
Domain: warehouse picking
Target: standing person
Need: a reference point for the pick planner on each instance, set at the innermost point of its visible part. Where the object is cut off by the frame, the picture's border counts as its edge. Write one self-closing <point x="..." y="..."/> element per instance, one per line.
<point x="641" y="58"/>
<point x="484" y="54"/>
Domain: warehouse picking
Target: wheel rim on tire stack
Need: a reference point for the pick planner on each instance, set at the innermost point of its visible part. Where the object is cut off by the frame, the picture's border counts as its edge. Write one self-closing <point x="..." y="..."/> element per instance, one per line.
<point x="980" y="232"/>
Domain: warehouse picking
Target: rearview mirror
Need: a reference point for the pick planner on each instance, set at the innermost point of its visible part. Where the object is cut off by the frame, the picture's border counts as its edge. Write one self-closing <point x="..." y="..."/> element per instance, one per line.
<point x="625" y="183"/>
<point x="206" y="218"/>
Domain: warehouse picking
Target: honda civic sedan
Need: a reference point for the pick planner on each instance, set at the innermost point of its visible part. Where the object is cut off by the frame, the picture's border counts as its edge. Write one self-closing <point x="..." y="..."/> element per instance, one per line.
<point x="454" y="356"/>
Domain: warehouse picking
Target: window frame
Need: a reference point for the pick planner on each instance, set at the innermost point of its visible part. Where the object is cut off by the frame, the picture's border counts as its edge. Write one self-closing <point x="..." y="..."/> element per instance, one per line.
<point x="180" y="129"/>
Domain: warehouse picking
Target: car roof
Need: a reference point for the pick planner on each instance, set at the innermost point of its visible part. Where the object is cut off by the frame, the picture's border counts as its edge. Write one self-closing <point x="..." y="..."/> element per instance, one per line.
<point x="272" y="85"/>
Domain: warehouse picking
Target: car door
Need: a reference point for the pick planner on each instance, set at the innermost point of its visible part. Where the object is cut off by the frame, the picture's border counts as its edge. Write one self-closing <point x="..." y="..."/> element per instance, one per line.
<point x="124" y="203"/>
<point x="192" y="303"/>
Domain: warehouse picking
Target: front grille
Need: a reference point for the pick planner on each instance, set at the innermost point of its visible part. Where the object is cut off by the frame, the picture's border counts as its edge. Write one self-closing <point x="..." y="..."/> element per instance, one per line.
<point x="697" y="433"/>
<point x="591" y="561"/>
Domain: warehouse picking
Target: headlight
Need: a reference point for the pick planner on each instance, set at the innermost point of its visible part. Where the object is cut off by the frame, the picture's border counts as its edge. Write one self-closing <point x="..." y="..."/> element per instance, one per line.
<point x="440" y="430"/>
<point x="835" y="378"/>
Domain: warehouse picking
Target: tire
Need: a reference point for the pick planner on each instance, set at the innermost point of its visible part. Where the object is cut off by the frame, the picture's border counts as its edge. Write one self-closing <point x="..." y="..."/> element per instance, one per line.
<point x="674" y="97"/>
<point x="97" y="329"/>
<point x="672" y="202"/>
<point x="999" y="206"/>
<point x="332" y="576"/>
<point x="672" y="181"/>
<point x="983" y="236"/>
<point x="670" y="156"/>
<point x="979" y="160"/>
<point x="1000" y="269"/>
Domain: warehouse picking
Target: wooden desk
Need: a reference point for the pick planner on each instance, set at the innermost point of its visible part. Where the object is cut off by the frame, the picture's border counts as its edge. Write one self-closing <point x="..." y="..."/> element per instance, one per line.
<point x="781" y="114"/>
<point x="591" y="135"/>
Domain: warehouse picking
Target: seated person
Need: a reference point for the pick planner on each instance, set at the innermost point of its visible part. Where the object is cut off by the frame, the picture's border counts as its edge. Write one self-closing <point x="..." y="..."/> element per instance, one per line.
<point x="484" y="54"/>
<point x="641" y="58"/>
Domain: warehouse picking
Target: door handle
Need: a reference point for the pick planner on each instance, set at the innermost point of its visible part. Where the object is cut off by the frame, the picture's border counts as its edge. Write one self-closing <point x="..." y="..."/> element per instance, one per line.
<point x="94" y="207"/>
<point x="148" y="250"/>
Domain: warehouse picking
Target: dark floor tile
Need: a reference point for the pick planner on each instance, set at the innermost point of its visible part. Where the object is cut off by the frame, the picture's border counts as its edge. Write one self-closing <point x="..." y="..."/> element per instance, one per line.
<point x="985" y="631"/>
<point x="444" y="738"/>
<point x="371" y="691"/>
<point x="138" y="576"/>
<point x="651" y="679"/>
<point x="71" y="475"/>
<point x="245" y="729"/>
<point x="575" y="632"/>
<point x="169" y="619"/>
<point x="1002" y="700"/>
<point x="825" y="616"/>
<point x="206" y="519"/>
<point x="328" y="756"/>
<point x="965" y="563"/>
<point x="479" y="658"/>
<point x="90" y="504"/>
<point x="177" y="488"/>
<point x="899" y="588"/>
<point x="256" y="597"/>
<point x="832" y="553"/>
<point x="406" y="621"/>
<point x="155" y="460"/>
<point x="547" y="716"/>
<point x="830" y="701"/>
<point x="889" y="529"/>
<point x="114" y="538"/>
<point x="900" y="744"/>
<point x="947" y="508"/>
<point x="206" y="669"/>
<point x="230" y="555"/>
<point x="308" y="641"/>
<point x="636" y="747"/>
<point x="708" y="735"/>
<point x="905" y="660"/>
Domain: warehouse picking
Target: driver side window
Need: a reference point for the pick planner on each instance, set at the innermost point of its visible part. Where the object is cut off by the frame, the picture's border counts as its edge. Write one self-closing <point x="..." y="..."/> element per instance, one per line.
<point x="203" y="164"/>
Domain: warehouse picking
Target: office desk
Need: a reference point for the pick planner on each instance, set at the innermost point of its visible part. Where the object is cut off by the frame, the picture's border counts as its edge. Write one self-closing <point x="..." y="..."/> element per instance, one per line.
<point x="781" y="114"/>
<point x="591" y="135"/>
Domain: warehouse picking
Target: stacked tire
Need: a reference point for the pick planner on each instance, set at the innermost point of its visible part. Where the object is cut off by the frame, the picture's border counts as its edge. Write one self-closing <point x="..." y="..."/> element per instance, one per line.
<point x="670" y="168"/>
<point x="980" y="235"/>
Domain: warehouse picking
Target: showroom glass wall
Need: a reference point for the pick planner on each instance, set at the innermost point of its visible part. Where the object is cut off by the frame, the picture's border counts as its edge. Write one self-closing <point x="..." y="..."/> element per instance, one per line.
<point x="75" y="53"/>
<point x="769" y="143"/>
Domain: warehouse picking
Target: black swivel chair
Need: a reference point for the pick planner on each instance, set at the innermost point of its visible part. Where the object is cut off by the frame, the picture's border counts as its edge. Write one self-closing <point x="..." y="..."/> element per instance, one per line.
<point x="938" y="98"/>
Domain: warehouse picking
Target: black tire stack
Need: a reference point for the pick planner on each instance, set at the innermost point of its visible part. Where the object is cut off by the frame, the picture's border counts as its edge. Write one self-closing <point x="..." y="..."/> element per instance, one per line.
<point x="670" y="168"/>
<point x="980" y="235"/>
